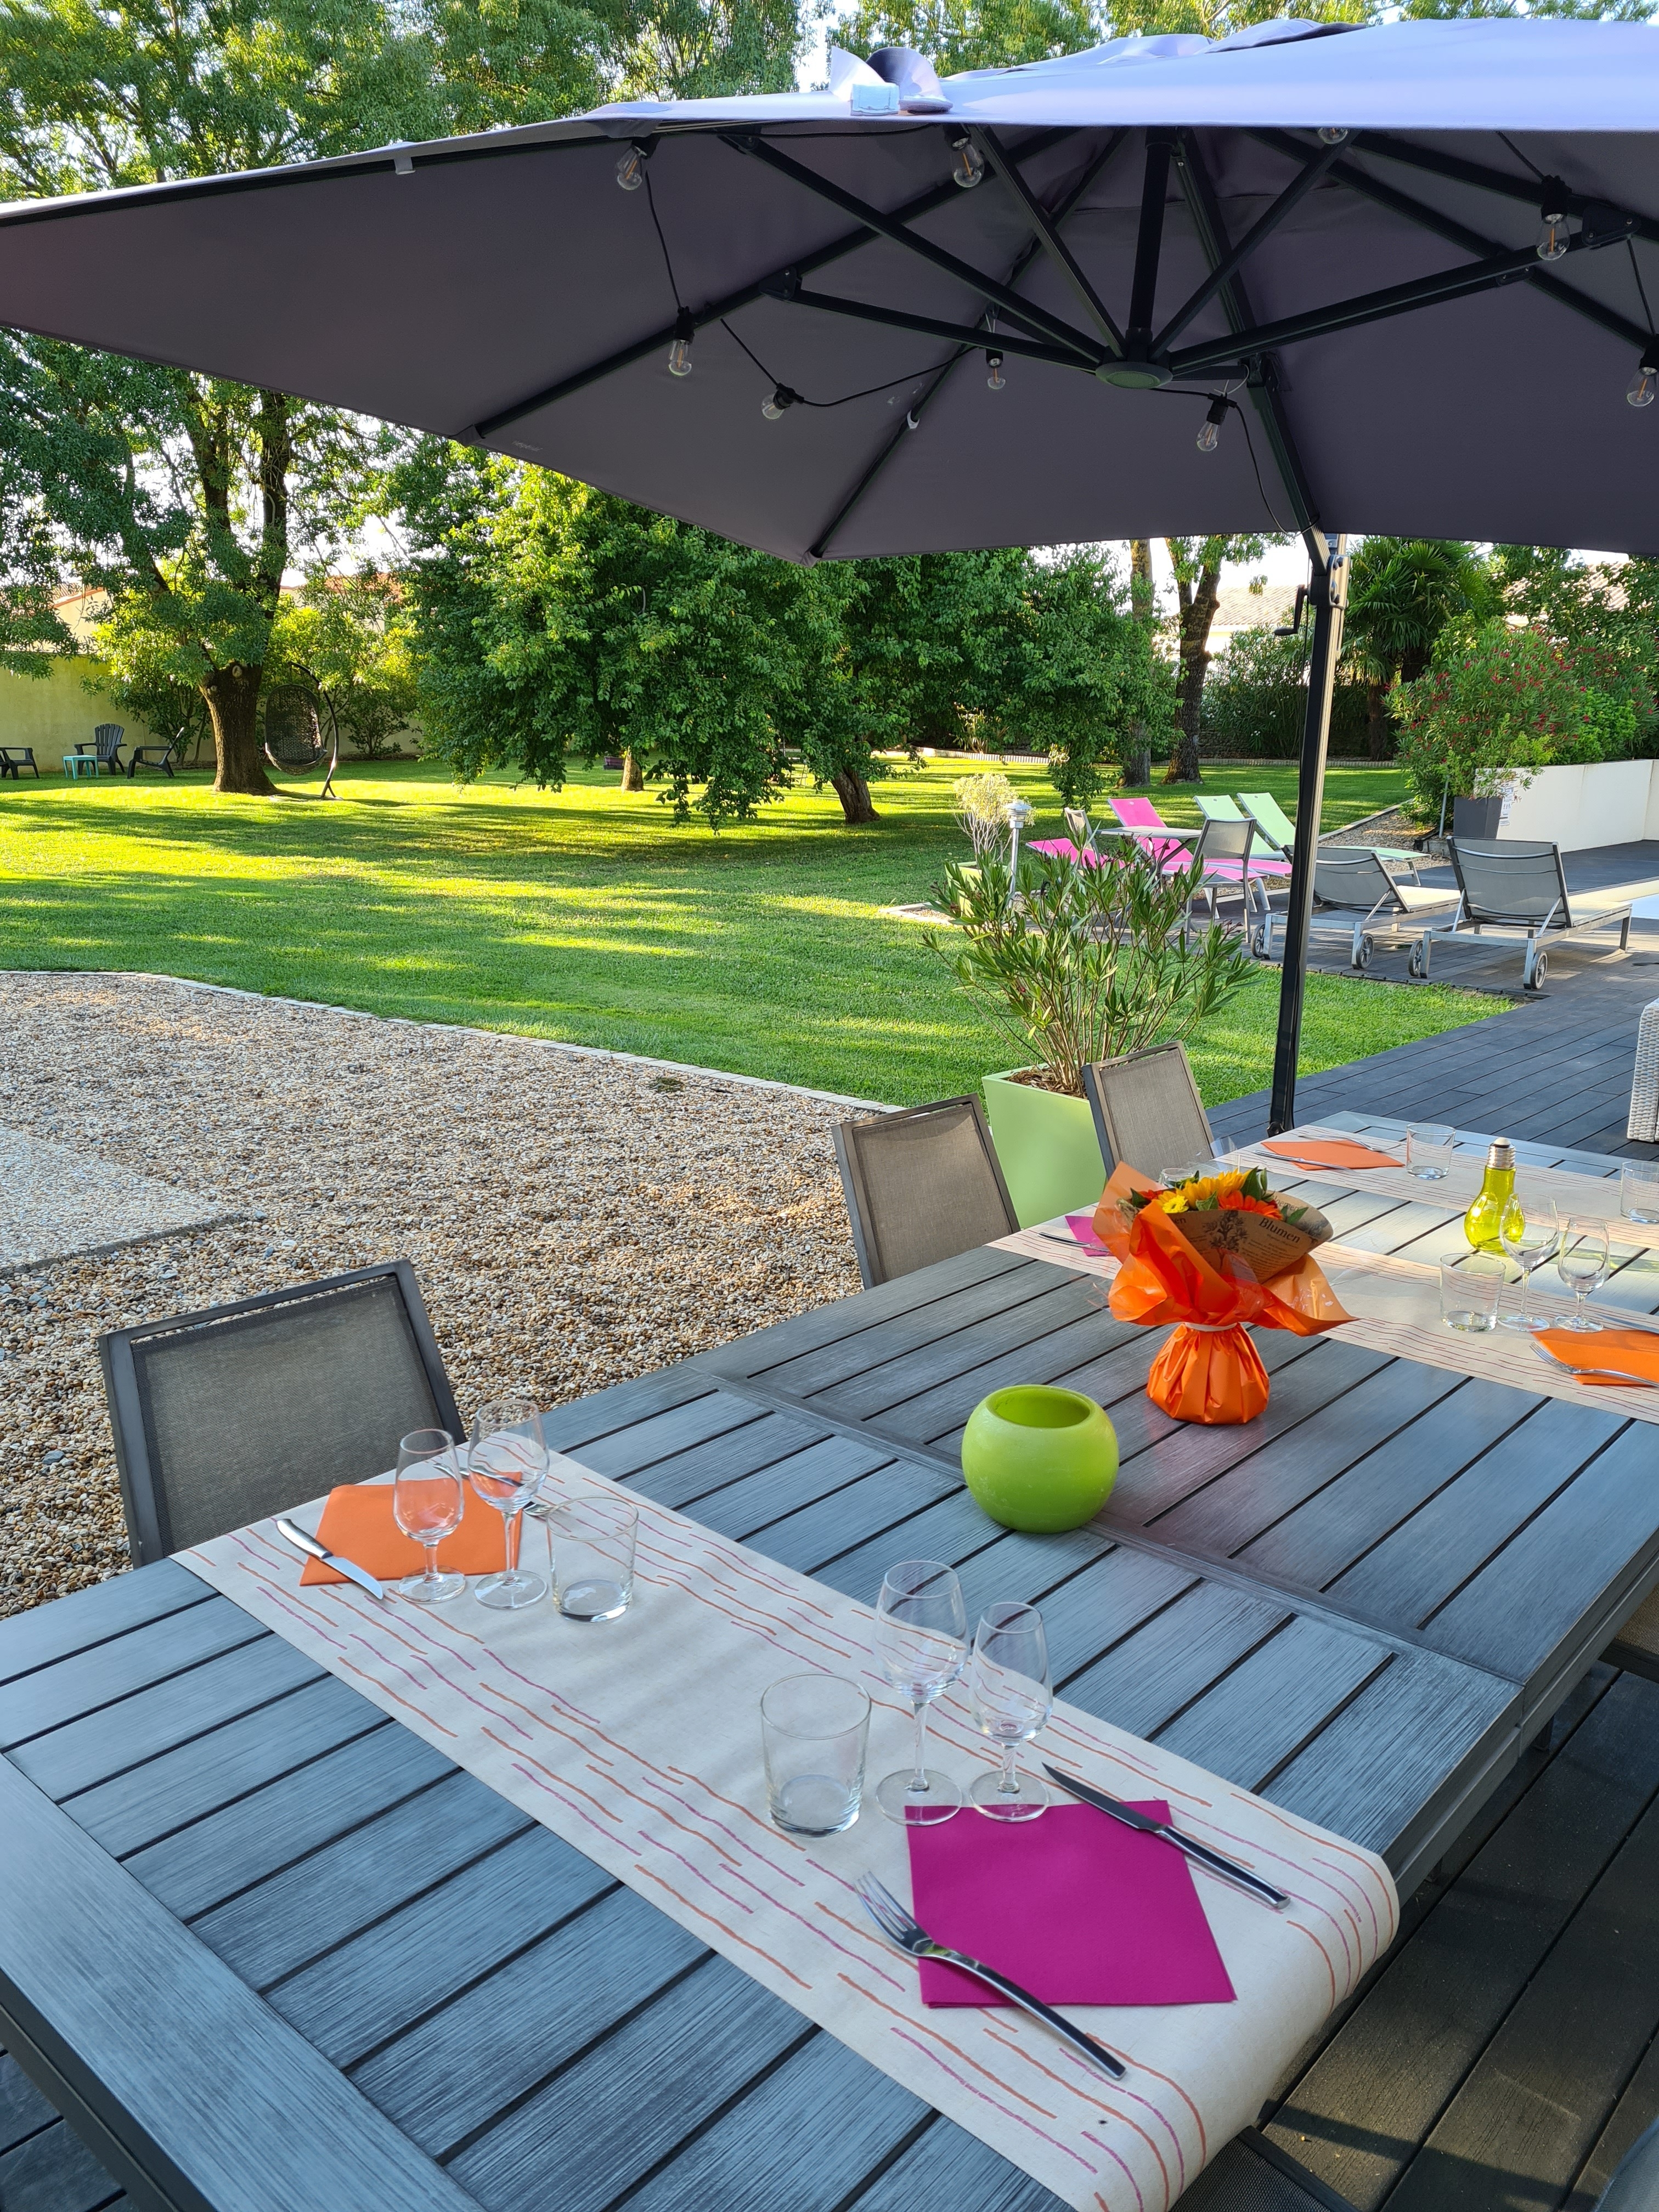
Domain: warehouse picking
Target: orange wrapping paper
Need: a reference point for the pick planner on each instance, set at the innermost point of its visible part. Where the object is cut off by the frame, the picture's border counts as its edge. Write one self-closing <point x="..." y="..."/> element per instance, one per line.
<point x="1209" y="1371"/>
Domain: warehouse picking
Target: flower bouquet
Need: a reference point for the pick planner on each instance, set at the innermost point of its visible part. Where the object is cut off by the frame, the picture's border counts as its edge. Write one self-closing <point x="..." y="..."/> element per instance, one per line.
<point x="1215" y="1255"/>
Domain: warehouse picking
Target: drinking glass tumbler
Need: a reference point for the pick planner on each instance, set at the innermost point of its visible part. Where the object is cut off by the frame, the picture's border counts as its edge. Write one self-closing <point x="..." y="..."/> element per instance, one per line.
<point x="507" y="1465"/>
<point x="1582" y="1263"/>
<point x="426" y="1503"/>
<point x="815" y="1729"/>
<point x="1529" y="1234"/>
<point x="1429" y="1147"/>
<point x="1469" y="1285"/>
<point x="922" y="1643"/>
<point x="1012" y="1698"/>
<point x="1638" y="1190"/>
<point x="592" y="1540"/>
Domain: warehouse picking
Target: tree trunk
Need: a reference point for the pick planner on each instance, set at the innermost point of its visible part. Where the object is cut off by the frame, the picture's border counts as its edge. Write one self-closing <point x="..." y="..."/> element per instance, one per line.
<point x="1143" y="599"/>
<point x="1197" y="613"/>
<point x="1376" y="721"/>
<point x="854" y="793"/>
<point x="233" y="702"/>
<point x="632" y="774"/>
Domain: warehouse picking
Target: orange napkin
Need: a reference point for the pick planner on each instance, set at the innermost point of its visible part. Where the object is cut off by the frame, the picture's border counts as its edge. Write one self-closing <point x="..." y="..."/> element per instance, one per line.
<point x="1329" y="1153"/>
<point x="357" y="1523"/>
<point x="1635" y="1350"/>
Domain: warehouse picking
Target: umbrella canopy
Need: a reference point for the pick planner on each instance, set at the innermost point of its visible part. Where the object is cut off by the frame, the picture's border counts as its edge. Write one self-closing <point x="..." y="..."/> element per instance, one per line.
<point x="1397" y="356"/>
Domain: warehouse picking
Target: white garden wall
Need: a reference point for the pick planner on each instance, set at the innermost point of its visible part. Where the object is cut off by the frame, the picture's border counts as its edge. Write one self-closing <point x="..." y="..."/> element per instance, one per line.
<point x="1608" y="803"/>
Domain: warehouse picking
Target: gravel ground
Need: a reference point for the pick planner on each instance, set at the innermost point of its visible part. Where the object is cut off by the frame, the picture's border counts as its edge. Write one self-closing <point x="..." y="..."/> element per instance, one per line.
<point x="573" y="1221"/>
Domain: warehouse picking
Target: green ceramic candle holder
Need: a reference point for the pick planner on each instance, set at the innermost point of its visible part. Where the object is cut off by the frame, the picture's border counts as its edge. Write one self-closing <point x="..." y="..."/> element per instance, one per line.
<point x="1039" y="1459"/>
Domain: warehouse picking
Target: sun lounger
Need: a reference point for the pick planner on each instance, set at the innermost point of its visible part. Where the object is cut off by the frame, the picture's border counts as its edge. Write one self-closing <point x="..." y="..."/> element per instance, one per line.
<point x="1279" y="833"/>
<point x="1140" y="816"/>
<point x="1511" y="888"/>
<point x="1357" y="883"/>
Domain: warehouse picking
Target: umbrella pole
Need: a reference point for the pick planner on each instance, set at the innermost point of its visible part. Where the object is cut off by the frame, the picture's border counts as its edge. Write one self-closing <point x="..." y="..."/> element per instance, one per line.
<point x="1326" y="593"/>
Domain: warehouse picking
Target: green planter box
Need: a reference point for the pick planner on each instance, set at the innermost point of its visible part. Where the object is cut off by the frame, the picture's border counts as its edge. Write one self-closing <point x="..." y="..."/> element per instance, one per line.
<point x="1048" y="1148"/>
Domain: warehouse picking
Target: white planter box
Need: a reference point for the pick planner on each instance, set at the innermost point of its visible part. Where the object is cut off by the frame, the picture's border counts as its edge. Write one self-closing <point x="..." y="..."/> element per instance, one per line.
<point x="1606" y="803"/>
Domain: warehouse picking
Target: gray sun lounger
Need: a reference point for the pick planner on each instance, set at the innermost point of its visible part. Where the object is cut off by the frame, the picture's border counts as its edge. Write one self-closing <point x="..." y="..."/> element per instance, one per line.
<point x="1511" y="888"/>
<point x="1356" y="883"/>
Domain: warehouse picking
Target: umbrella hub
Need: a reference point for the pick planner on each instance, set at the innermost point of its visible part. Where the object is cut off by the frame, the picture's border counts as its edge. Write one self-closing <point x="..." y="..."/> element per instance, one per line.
<point x="1134" y="375"/>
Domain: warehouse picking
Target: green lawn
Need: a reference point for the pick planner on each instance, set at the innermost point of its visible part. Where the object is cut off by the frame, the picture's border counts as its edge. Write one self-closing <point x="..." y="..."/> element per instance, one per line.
<point x="593" y="917"/>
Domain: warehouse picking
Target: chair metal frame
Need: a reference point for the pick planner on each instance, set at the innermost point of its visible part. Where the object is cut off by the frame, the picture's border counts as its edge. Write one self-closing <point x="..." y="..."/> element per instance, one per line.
<point x="1392" y="919"/>
<point x="1557" y="924"/>
<point x="1094" y="1091"/>
<point x="148" y="1531"/>
<point x="870" y="1268"/>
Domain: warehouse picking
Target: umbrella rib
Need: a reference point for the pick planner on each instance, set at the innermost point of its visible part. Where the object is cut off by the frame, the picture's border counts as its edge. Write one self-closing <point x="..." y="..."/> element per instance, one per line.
<point x="489" y="426"/>
<point x="991" y="147"/>
<point x="1471" y="241"/>
<point x="1456" y="170"/>
<point x="1066" y="204"/>
<point x="1292" y="196"/>
<point x="1036" y="319"/>
<point x="1263" y="385"/>
<point x="959" y="334"/>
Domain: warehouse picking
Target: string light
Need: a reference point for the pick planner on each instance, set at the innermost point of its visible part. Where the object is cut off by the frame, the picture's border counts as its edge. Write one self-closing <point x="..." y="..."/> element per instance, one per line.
<point x="1210" y="436"/>
<point x="630" y="170"/>
<point x="782" y="397"/>
<point x="1553" y="237"/>
<point x="679" y="354"/>
<point x="970" y="164"/>
<point x="996" y="381"/>
<point x="1331" y="134"/>
<point x="1645" y="383"/>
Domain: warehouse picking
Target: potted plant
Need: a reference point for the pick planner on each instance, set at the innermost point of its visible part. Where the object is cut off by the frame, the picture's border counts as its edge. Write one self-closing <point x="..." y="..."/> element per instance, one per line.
<point x="1088" y="962"/>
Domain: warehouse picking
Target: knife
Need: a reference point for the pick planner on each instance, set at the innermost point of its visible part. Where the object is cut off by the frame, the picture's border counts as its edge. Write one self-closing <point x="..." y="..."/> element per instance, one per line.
<point x="1102" y="1802"/>
<point x="293" y="1533"/>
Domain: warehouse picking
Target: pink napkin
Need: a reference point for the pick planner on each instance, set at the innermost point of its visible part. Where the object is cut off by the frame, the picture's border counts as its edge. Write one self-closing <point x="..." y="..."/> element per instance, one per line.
<point x="1073" y="1906"/>
<point x="1082" y="1226"/>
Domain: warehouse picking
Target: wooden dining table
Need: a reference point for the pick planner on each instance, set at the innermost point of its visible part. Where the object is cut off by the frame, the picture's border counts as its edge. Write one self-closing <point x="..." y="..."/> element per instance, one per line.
<point x="264" y="1947"/>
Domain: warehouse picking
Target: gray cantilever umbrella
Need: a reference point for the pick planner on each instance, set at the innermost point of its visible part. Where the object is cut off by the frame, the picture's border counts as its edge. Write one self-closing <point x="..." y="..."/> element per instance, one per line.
<point x="1309" y="278"/>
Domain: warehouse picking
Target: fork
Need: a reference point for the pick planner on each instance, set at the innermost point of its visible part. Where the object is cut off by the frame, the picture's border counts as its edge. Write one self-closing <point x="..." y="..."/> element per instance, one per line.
<point x="901" y="1930"/>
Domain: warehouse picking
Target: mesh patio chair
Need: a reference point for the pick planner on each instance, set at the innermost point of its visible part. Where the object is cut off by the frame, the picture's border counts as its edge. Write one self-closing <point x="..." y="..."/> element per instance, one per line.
<point x="1513" y="886"/>
<point x="921" y="1186"/>
<point x="1079" y="828"/>
<point x="1357" y="881"/>
<point x="229" y="1416"/>
<point x="1139" y="816"/>
<point x="1147" y="1110"/>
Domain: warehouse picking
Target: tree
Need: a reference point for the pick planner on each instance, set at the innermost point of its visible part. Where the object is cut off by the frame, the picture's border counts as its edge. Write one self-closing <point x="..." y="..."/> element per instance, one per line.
<point x="970" y="34"/>
<point x="350" y="636"/>
<point x="1402" y="593"/>
<point x="1197" y="562"/>
<point x="186" y="498"/>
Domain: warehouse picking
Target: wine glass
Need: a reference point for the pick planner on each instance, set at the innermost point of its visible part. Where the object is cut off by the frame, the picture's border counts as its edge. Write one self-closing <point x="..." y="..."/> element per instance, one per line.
<point x="507" y="1465"/>
<point x="922" y="1643"/>
<point x="1529" y="1232"/>
<point x="1012" y="1698"/>
<point x="1582" y="1263"/>
<point x="426" y="1503"/>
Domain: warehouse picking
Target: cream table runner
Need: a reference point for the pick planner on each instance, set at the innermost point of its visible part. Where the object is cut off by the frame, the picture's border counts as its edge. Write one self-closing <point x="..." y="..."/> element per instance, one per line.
<point x="638" y="1743"/>
<point x="1395" y="1304"/>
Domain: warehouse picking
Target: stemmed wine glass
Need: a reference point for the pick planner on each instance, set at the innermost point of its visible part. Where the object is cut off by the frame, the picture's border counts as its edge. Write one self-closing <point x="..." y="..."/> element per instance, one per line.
<point x="1582" y="1263"/>
<point x="1529" y="1232"/>
<point x="1013" y="1698"/>
<point x="426" y="1503"/>
<point x="922" y="1643"/>
<point x="507" y="1465"/>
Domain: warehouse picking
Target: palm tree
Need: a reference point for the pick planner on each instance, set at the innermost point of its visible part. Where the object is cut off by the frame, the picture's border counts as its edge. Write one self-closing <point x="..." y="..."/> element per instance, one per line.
<point x="1402" y="591"/>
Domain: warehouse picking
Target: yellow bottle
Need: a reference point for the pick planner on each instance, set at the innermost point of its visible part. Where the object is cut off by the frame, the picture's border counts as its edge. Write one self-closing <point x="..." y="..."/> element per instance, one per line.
<point x="1495" y="1206"/>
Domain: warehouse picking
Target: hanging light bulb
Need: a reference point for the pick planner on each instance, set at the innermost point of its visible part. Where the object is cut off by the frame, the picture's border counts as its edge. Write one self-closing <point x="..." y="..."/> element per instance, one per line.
<point x="679" y="354"/>
<point x="630" y="170"/>
<point x="782" y="397"/>
<point x="1645" y="385"/>
<point x="996" y="381"/>
<point x="1331" y="134"/>
<point x="1210" y="436"/>
<point x="1553" y="237"/>
<point x="970" y="164"/>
